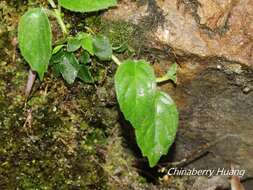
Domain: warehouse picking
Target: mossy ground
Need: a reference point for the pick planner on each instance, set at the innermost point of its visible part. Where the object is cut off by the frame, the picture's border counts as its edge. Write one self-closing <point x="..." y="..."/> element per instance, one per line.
<point x="63" y="137"/>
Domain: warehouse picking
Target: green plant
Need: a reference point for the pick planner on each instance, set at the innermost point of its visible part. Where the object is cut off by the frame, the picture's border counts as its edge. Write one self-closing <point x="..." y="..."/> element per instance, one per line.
<point x="152" y="113"/>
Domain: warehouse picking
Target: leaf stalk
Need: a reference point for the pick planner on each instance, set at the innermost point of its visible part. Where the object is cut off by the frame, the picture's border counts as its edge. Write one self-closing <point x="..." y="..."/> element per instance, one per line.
<point x="57" y="14"/>
<point x="51" y="2"/>
<point x="116" y="60"/>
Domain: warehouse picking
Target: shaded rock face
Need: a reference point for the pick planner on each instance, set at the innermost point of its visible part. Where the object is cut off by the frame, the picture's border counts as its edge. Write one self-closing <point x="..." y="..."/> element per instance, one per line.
<point x="218" y="111"/>
<point x="203" y="28"/>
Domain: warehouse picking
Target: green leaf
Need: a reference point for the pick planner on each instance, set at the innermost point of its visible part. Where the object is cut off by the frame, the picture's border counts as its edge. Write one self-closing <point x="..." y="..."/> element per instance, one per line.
<point x="57" y="49"/>
<point x="57" y="57"/>
<point x="135" y="89"/>
<point x="87" y="5"/>
<point x="85" y="75"/>
<point x="87" y="43"/>
<point x="157" y="133"/>
<point x="85" y="58"/>
<point x="152" y="113"/>
<point x="69" y="67"/>
<point x="73" y="44"/>
<point x="35" y="40"/>
<point x="57" y="69"/>
<point x="102" y="48"/>
<point x="121" y="48"/>
<point x="172" y="73"/>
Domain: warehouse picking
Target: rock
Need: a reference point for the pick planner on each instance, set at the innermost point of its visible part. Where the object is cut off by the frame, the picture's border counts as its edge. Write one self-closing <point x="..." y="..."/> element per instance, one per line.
<point x="216" y="112"/>
<point x="221" y="29"/>
<point x="213" y="183"/>
<point x="214" y="14"/>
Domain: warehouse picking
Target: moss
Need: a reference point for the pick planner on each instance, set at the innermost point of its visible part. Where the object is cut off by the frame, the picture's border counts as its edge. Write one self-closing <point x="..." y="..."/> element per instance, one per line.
<point x="49" y="154"/>
<point x="64" y="136"/>
<point x="57" y="149"/>
<point x="124" y="36"/>
<point x="118" y="32"/>
<point x="121" y="173"/>
<point x="121" y="34"/>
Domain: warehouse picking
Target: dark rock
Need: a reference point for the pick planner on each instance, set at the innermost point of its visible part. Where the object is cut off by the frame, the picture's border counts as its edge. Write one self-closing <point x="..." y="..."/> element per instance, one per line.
<point x="217" y="118"/>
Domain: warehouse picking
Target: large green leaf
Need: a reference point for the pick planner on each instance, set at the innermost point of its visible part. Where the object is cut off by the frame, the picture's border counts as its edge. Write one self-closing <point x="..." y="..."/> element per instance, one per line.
<point x="135" y="89"/>
<point x="35" y="40"/>
<point x="157" y="133"/>
<point x="152" y="113"/>
<point x="87" y="5"/>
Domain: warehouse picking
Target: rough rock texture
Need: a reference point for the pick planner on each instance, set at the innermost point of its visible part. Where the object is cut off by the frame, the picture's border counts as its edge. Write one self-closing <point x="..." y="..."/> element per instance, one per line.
<point x="203" y="28"/>
<point x="214" y="14"/>
<point x="212" y="183"/>
<point x="217" y="117"/>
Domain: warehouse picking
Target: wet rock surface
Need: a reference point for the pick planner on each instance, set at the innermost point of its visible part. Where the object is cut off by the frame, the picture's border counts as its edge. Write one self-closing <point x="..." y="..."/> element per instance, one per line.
<point x="203" y="28"/>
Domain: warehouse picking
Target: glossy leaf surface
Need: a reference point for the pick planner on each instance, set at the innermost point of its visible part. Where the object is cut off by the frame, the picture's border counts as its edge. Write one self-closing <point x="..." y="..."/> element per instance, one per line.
<point x="87" y="5"/>
<point x="158" y="132"/>
<point x="35" y="40"/>
<point x="135" y="89"/>
<point x="151" y="112"/>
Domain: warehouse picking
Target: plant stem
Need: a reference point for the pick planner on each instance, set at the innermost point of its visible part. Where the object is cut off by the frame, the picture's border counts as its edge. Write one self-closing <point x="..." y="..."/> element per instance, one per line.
<point x="60" y="22"/>
<point x="116" y="60"/>
<point x="51" y="2"/>
<point x="89" y="30"/>
<point x="57" y="14"/>
<point x="30" y="81"/>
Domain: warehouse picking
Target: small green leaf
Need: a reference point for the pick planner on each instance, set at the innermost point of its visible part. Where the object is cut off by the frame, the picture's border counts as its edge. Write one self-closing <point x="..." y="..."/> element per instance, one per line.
<point x="102" y="48"/>
<point x="172" y="73"/>
<point x="121" y="48"/>
<point x="87" y="5"/>
<point x="85" y="58"/>
<point x="135" y="89"/>
<point x="87" y="43"/>
<point x="157" y="133"/>
<point x="57" y="49"/>
<point x="69" y="67"/>
<point x="85" y="75"/>
<point x="73" y="44"/>
<point x="35" y="40"/>
<point x="57" y="69"/>
<point x="57" y="57"/>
